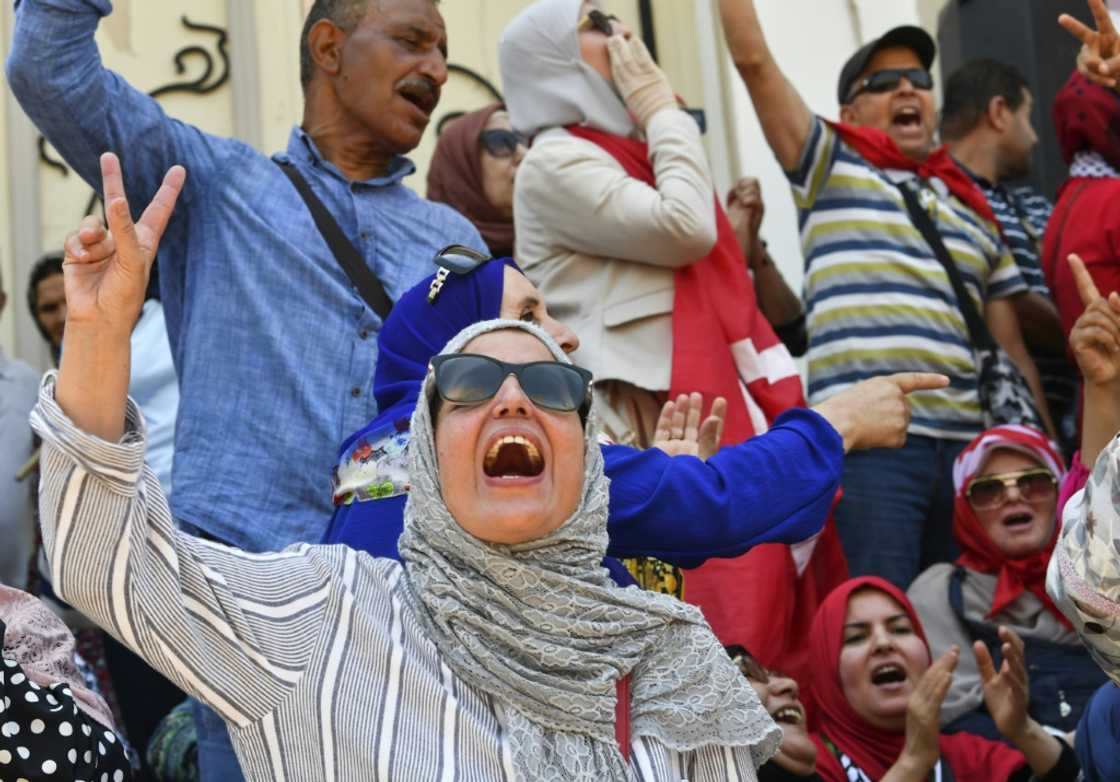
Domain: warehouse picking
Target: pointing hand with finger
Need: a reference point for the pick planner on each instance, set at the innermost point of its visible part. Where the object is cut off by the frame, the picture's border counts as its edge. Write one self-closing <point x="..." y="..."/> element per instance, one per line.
<point x="876" y="413"/>
<point x="1095" y="337"/>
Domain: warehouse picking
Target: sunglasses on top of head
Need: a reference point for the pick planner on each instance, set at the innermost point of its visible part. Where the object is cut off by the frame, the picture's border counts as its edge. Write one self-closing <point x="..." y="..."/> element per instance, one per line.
<point x="599" y="21"/>
<point x="888" y="80"/>
<point x="991" y="491"/>
<point x="502" y="143"/>
<point x="471" y="379"/>
<point x="454" y="259"/>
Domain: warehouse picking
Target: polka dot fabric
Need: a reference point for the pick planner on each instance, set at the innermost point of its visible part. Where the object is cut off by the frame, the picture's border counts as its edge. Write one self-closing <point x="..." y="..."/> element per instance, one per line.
<point x="45" y="736"/>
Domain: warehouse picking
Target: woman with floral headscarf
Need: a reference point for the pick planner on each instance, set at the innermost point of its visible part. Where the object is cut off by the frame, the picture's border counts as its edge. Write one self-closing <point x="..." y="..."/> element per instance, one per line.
<point x="1005" y="522"/>
<point x="877" y="692"/>
<point x="1084" y="574"/>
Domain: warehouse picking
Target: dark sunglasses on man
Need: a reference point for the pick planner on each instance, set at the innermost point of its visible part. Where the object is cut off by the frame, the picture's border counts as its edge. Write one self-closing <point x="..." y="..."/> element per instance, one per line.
<point x="502" y="143"/>
<point x="470" y="379"/>
<point x="888" y="79"/>
<point x="598" y="21"/>
<point x="454" y="259"/>
<point x="991" y="491"/>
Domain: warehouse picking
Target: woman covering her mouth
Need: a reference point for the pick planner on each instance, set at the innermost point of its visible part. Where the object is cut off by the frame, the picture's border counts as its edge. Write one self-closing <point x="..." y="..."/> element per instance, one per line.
<point x="1006" y="523"/>
<point x="877" y="695"/>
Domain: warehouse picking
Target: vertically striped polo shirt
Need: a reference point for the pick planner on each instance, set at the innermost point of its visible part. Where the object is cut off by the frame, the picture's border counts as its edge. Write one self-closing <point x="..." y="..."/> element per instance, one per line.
<point x="877" y="300"/>
<point x="1023" y="213"/>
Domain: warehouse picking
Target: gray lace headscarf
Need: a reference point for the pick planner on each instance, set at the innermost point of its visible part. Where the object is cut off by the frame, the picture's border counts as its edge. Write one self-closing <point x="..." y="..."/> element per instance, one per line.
<point x="541" y="628"/>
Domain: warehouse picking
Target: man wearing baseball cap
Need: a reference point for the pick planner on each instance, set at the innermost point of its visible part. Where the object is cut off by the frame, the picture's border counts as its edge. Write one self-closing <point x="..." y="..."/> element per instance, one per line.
<point x="877" y="299"/>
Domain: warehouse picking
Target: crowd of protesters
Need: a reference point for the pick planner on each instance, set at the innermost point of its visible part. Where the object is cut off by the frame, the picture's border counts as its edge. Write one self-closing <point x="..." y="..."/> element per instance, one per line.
<point x="519" y="481"/>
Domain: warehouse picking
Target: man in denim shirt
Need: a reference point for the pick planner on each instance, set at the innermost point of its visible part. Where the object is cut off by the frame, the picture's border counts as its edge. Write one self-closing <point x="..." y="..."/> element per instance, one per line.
<point x="274" y="349"/>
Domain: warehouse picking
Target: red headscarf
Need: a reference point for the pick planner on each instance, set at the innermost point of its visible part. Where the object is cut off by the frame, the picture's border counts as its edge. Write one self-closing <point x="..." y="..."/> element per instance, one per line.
<point x="971" y="758"/>
<point x="879" y="149"/>
<point x="978" y="553"/>
<point x="1087" y="118"/>
<point x="455" y="179"/>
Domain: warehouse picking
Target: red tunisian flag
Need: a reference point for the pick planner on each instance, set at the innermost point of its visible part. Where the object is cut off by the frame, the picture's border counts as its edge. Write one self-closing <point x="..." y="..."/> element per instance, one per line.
<point x="723" y="346"/>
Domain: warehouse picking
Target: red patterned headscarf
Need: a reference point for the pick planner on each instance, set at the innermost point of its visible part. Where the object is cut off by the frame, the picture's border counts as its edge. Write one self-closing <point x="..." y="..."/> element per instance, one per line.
<point x="1087" y="118"/>
<point x="872" y="749"/>
<point x="978" y="553"/>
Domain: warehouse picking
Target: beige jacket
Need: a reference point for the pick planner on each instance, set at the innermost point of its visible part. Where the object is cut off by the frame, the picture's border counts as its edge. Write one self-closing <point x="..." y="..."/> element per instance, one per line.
<point x="602" y="246"/>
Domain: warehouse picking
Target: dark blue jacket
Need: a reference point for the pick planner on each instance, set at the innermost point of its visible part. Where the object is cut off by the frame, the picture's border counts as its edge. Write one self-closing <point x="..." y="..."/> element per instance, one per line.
<point x="1098" y="736"/>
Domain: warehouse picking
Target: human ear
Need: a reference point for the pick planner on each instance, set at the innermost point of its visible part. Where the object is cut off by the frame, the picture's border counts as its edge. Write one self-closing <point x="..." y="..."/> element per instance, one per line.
<point x="325" y="41"/>
<point x="848" y="114"/>
<point x="999" y="113"/>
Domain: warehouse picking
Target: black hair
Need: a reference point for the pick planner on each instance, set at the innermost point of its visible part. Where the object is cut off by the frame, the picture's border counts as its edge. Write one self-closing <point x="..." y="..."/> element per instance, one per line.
<point x="344" y="13"/>
<point x="971" y="88"/>
<point x="47" y="266"/>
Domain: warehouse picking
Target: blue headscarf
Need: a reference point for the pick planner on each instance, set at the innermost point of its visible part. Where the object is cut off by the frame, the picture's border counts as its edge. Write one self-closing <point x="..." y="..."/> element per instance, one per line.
<point x="371" y="478"/>
<point x="417" y="329"/>
<point x="371" y="461"/>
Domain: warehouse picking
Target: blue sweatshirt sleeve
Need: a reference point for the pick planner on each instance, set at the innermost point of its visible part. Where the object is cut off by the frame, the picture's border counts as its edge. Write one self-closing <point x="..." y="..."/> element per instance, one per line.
<point x="774" y="488"/>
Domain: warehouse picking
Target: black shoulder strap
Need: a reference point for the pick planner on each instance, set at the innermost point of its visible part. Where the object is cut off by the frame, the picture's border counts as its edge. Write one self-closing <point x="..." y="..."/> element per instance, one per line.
<point x="977" y="328"/>
<point x="364" y="281"/>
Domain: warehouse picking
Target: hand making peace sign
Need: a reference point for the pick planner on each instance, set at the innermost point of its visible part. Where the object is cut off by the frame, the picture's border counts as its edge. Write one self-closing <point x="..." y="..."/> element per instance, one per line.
<point x="107" y="272"/>
<point x="1099" y="58"/>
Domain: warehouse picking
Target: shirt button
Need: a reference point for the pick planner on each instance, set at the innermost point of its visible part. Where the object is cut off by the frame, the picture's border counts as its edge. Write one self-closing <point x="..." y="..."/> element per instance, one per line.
<point x="364" y="333"/>
<point x="365" y="236"/>
<point x="355" y="392"/>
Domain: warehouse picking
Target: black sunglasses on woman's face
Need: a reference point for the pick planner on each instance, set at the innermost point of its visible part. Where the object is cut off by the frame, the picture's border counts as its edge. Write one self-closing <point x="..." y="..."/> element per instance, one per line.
<point x="502" y="143"/>
<point x="470" y="379"/>
<point x="888" y="79"/>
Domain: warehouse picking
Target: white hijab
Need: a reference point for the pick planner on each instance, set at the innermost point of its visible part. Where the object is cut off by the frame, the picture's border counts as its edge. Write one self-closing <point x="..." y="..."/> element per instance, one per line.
<point x="546" y="82"/>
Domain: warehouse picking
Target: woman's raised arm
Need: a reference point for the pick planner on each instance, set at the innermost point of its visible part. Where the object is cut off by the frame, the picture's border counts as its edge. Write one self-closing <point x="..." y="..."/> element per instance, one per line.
<point x="105" y="287"/>
<point x="236" y="630"/>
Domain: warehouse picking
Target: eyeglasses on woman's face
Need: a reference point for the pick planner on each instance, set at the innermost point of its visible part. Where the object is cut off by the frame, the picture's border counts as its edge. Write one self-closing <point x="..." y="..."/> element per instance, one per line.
<point x="888" y="80"/>
<point x="471" y="379"/>
<point x="992" y="491"/>
<point x="502" y="143"/>
<point x="598" y="21"/>
<point x="751" y="668"/>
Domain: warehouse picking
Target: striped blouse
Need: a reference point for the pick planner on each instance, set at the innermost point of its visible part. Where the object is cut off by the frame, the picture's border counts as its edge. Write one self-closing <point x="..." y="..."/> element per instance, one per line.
<point x="313" y="656"/>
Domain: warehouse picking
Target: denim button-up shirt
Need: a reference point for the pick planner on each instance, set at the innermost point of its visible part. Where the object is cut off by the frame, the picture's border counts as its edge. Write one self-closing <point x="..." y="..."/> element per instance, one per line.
<point x="274" y="349"/>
